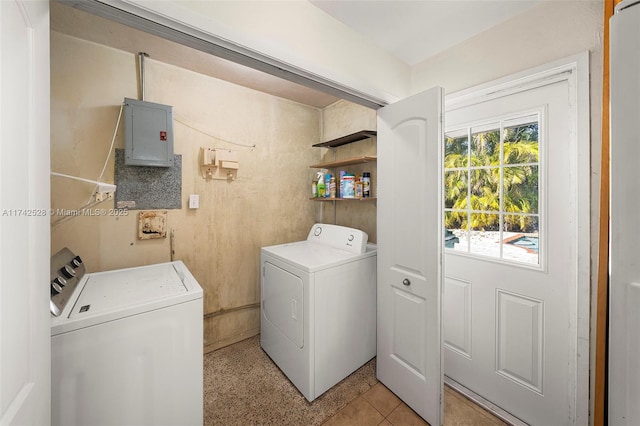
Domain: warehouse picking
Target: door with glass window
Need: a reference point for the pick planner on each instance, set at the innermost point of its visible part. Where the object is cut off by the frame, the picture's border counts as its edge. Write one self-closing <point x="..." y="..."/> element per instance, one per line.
<point x="510" y="243"/>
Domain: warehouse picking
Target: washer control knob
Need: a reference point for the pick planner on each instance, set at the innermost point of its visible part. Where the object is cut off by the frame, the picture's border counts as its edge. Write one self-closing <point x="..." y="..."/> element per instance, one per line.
<point x="55" y="288"/>
<point x="317" y="231"/>
<point x="350" y="237"/>
<point x="76" y="261"/>
<point x="67" y="271"/>
<point x="60" y="281"/>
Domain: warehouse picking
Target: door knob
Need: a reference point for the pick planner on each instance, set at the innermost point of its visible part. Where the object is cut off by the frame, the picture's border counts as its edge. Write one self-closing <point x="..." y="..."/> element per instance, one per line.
<point x="406" y="281"/>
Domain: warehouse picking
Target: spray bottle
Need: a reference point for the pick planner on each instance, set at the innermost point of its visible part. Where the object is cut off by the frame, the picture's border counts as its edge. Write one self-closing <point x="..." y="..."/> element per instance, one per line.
<point x="322" y="188"/>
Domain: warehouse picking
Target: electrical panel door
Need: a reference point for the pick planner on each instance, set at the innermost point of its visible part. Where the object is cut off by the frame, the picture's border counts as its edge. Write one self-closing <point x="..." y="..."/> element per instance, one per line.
<point x="148" y="134"/>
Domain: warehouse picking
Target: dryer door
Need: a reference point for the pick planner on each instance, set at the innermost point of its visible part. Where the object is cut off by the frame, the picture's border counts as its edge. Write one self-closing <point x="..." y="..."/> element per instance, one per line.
<point x="282" y="302"/>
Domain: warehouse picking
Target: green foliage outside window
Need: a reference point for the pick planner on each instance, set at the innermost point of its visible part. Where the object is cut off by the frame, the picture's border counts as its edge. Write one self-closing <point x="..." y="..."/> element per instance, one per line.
<point x="474" y="179"/>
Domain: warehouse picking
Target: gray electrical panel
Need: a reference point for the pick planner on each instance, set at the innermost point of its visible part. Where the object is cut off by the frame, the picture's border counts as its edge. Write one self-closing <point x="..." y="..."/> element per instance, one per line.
<point x="148" y="136"/>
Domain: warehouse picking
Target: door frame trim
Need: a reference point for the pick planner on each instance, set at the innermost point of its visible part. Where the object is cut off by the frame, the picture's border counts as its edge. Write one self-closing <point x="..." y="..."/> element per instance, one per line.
<point x="575" y="71"/>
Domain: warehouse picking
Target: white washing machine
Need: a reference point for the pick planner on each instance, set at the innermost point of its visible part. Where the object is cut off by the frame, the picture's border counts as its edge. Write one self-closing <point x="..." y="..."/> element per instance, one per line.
<point x="318" y="316"/>
<point x="126" y="345"/>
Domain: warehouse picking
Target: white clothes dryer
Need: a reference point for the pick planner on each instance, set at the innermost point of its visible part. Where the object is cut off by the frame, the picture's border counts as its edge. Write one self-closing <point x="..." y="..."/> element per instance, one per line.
<point x="126" y="345"/>
<point x="318" y="313"/>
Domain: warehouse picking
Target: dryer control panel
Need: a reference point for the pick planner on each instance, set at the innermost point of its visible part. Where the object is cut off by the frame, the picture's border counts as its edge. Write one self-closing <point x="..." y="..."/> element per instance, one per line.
<point x="342" y="237"/>
<point x="67" y="270"/>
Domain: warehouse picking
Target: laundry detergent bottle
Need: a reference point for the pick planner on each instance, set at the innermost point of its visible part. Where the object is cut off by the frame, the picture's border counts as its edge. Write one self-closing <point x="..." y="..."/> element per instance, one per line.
<point x="322" y="188"/>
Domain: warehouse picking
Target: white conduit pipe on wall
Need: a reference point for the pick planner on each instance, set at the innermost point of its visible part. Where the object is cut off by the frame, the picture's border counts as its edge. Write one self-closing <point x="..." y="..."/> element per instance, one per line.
<point x="141" y="56"/>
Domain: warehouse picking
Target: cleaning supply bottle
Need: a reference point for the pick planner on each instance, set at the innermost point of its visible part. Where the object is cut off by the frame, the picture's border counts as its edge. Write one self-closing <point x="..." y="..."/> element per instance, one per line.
<point x="321" y="185"/>
<point x="348" y="185"/>
<point x="314" y="189"/>
<point x="327" y="185"/>
<point x="358" y="187"/>
<point x="366" y="184"/>
<point x="332" y="187"/>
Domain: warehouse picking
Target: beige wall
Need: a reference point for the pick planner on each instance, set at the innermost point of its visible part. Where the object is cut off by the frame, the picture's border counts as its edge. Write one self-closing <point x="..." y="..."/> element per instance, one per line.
<point x="219" y="242"/>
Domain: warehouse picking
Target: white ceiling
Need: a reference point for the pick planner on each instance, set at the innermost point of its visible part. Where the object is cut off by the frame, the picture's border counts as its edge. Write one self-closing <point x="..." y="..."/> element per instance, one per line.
<point x="417" y="29"/>
<point x="411" y="30"/>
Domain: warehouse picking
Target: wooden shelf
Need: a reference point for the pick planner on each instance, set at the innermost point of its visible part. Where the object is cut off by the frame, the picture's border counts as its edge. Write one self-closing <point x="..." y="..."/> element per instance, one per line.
<point x="345" y="162"/>
<point x="343" y="199"/>
<point x="354" y="137"/>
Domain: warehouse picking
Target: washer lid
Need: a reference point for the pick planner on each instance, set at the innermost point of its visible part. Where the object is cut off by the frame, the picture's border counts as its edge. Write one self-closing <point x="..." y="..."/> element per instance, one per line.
<point x="107" y="296"/>
<point x="119" y="289"/>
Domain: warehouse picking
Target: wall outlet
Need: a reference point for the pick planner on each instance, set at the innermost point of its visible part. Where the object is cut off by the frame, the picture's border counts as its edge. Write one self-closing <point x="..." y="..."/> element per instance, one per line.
<point x="101" y="196"/>
<point x="104" y="191"/>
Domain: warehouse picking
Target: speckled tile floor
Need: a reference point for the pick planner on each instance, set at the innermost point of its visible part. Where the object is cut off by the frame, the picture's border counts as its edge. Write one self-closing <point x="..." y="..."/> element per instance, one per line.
<point x="242" y="386"/>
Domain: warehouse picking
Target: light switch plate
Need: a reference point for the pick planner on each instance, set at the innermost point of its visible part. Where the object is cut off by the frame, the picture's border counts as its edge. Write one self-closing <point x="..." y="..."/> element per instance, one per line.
<point x="194" y="201"/>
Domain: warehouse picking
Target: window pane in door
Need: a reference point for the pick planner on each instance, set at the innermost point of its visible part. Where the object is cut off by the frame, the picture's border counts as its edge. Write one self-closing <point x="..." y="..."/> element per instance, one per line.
<point x="455" y="189"/>
<point x="455" y="232"/>
<point x="456" y="149"/>
<point x="520" y="189"/>
<point x="520" y="238"/>
<point x="485" y="146"/>
<point x="485" y="187"/>
<point x="484" y="236"/>
<point x="521" y="144"/>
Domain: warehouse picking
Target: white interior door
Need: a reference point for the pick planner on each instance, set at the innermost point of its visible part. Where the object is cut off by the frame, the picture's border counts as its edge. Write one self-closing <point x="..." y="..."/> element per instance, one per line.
<point x="624" y="269"/>
<point x="512" y="259"/>
<point x="409" y="251"/>
<point x="24" y="209"/>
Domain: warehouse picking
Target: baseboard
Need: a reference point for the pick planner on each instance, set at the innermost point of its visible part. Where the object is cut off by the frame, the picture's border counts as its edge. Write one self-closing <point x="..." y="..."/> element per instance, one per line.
<point x="231" y="340"/>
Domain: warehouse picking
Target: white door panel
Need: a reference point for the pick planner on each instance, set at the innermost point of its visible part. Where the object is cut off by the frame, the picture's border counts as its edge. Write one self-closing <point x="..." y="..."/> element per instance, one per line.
<point x="24" y="208"/>
<point x="456" y="321"/>
<point x="510" y="327"/>
<point x="409" y="251"/>
<point x="409" y="332"/>
<point x="624" y="278"/>
<point x="519" y="332"/>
